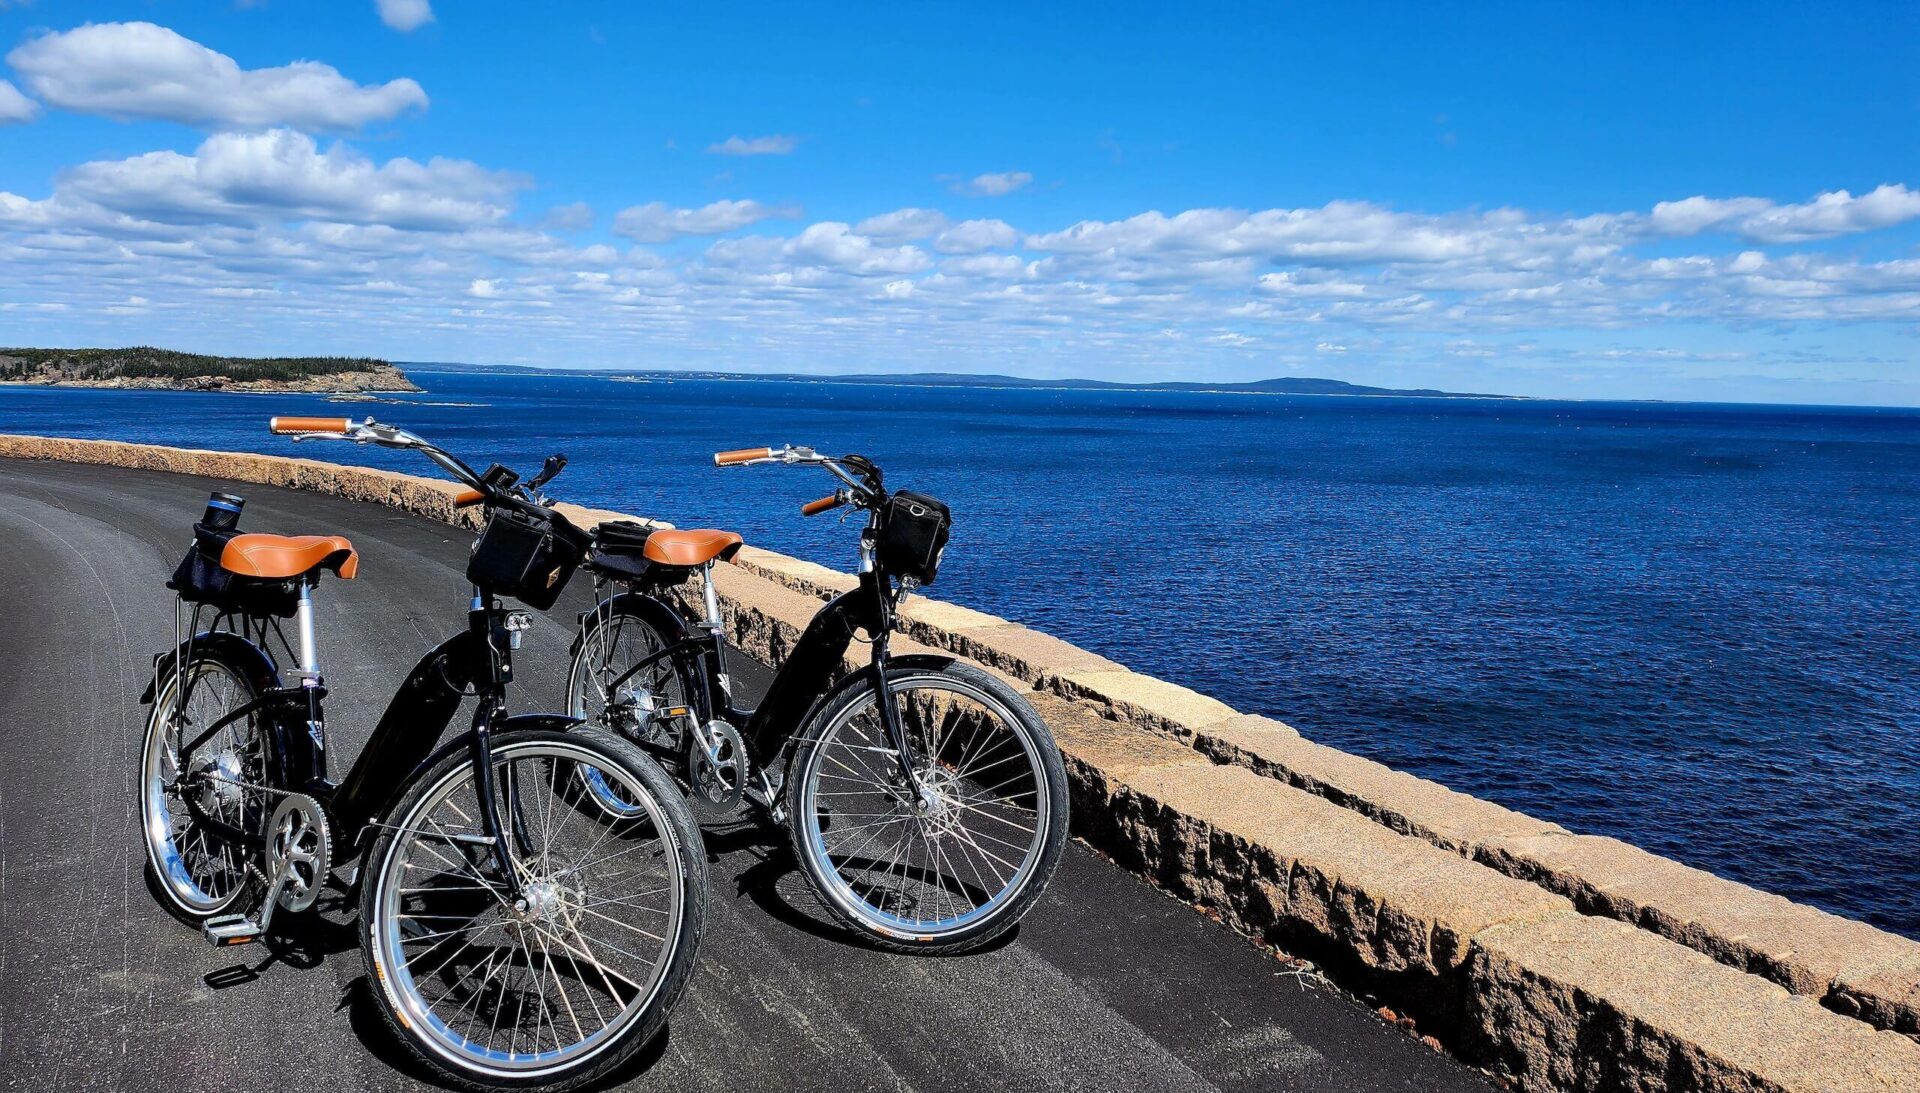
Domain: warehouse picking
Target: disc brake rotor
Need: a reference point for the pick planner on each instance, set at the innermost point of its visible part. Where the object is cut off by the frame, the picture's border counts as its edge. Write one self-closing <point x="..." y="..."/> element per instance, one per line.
<point x="716" y="775"/>
<point x="298" y="841"/>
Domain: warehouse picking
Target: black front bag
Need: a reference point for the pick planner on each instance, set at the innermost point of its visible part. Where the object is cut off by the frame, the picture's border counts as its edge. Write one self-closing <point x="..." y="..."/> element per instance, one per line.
<point x="913" y="533"/>
<point x="527" y="555"/>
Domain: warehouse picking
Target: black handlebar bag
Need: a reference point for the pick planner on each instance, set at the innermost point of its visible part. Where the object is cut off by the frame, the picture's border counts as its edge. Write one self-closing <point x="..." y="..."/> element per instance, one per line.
<point x="528" y="555"/>
<point x="913" y="534"/>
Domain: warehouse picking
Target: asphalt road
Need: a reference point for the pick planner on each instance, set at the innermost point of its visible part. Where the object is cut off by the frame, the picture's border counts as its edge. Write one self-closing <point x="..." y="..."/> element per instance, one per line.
<point x="1107" y="985"/>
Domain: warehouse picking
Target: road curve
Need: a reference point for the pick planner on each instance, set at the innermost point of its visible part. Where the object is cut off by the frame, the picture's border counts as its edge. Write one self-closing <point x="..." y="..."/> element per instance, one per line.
<point x="1108" y="985"/>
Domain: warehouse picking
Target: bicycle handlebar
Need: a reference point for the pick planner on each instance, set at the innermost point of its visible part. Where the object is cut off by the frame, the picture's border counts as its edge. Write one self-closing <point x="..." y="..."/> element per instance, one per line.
<point x="741" y="455"/>
<point x="370" y="431"/>
<point x="831" y="501"/>
<point x="865" y="490"/>
<point x="286" y="425"/>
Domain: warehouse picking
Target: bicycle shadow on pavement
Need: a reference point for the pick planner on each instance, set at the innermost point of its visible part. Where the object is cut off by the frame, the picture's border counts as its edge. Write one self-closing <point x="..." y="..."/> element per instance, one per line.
<point x="765" y="871"/>
<point x="371" y="1029"/>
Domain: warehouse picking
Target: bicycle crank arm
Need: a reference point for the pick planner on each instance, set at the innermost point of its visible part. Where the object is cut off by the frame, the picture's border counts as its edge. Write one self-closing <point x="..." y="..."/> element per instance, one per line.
<point x="228" y="930"/>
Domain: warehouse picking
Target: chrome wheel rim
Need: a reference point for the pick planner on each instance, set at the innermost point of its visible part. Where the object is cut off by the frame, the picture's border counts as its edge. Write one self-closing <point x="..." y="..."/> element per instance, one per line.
<point x="202" y="873"/>
<point x="524" y="988"/>
<point x="947" y="853"/>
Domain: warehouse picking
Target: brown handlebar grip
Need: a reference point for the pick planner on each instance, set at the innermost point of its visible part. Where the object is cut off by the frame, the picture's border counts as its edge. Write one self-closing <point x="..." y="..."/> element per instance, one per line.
<point x="741" y="455"/>
<point x="815" y="508"/>
<point x="468" y="498"/>
<point x="309" y="424"/>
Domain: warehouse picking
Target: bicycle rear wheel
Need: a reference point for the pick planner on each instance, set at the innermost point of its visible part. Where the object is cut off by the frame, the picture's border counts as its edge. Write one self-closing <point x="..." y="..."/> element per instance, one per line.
<point x="953" y="860"/>
<point x="613" y="638"/>
<point x="196" y="798"/>
<point x="559" y="987"/>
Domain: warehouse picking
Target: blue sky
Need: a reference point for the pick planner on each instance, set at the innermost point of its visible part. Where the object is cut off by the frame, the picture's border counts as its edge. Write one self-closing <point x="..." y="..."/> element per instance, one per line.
<point x="1618" y="201"/>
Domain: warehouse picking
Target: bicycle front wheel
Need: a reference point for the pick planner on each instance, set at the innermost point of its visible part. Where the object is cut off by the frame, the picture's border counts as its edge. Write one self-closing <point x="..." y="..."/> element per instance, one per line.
<point x="953" y="859"/>
<point x="557" y="986"/>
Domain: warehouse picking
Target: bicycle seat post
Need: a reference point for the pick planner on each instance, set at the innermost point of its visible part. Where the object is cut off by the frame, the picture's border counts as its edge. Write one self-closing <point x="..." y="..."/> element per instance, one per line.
<point x="713" y="623"/>
<point x="303" y="620"/>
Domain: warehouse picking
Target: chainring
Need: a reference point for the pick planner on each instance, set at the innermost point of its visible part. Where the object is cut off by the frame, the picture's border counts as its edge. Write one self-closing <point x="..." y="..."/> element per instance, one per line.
<point x="298" y="841"/>
<point x="716" y="781"/>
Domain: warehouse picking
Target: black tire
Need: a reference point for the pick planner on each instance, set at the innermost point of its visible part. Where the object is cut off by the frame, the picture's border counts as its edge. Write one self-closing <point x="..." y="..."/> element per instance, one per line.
<point x="682" y="855"/>
<point x="836" y="889"/>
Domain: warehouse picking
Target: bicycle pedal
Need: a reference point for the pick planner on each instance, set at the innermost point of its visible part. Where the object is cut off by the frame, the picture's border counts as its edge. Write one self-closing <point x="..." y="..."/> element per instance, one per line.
<point x="227" y="930"/>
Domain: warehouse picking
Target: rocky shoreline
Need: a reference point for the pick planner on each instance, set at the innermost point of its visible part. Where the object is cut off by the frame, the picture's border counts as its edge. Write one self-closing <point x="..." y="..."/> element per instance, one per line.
<point x="148" y="368"/>
<point x="384" y="381"/>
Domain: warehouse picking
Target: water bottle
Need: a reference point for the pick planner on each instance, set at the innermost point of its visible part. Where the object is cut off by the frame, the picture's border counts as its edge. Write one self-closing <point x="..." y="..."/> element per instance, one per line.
<point x="223" y="511"/>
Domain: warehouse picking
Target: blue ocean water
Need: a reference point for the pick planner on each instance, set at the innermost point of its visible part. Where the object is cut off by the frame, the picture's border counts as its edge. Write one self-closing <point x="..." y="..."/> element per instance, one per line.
<point x="1693" y="627"/>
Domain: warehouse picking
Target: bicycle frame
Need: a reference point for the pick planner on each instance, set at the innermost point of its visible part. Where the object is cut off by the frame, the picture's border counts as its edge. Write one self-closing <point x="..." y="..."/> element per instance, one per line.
<point x="809" y="670"/>
<point x="477" y="661"/>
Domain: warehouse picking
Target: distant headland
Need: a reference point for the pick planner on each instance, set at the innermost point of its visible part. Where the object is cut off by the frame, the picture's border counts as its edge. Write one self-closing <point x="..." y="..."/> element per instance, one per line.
<point x="148" y="368"/>
<point x="1285" y="385"/>
<point x="145" y="367"/>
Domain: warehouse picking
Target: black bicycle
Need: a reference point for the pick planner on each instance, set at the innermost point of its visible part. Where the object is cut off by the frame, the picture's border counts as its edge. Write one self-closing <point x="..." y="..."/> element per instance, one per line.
<point x="930" y="821"/>
<point x="515" y="935"/>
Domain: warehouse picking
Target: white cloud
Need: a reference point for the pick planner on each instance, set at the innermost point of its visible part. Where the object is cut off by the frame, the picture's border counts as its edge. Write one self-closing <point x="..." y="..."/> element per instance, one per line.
<point x="1831" y="214"/>
<point x="1761" y="221"/>
<point x="235" y="178"/>
<point x="1341" y="232"/>
<point x="828" y="246"/>
<point x="405" y="16"/>
<point x="1693" y="215"/>
<point x="974" y="236"/>
<point x="434" y="259"/>
<point x="839" y="247"/>
<point x="775" y="145"/>
<point x="657" y="222"/>
<point x="993" y="185"/>
<point x="901" y="225"/>
<point x="139" y="70"/>
<point x="1291" y="283"/>
<point x="15" y="107"/>
<point x="992" y="267"/>
<point x="574" y="217"/>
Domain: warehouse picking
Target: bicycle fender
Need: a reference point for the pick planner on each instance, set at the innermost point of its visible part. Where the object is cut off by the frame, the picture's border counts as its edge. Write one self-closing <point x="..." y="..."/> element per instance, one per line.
<point x="558" y="722"/>
<point x="652" y="609"/>
<point x="259" y="665"/>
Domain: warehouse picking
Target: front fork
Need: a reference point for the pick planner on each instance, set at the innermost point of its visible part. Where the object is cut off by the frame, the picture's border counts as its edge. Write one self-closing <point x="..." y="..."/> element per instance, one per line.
<point x="883" y="693"/>
<point x="480" y="748"/>
<point x="500" y="636"/>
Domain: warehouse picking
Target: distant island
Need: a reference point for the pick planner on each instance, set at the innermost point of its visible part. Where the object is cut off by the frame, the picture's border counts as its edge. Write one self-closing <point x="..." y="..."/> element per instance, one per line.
<point x="1285" y="385"/>
<point x="145" y="367"/>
